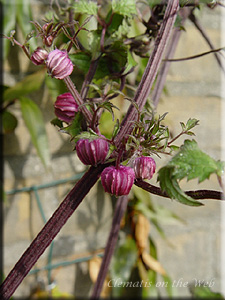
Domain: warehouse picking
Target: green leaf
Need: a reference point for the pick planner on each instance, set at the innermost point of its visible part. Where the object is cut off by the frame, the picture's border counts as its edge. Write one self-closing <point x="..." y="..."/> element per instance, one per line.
<point x="9" y="24"/>
<point x="191" y="123"/>
<point x="122" y="263"/>
<point x="33" y="119"/>
<point x="24" y="16"/>
<point x="9" y="122"/>
<point x="189" y="162"/>
<point x="74" y="128"/>
<point x="204" y="292"/>
<point x="170" y="185"/>
<point x="55" y="86"/>
<point x="81" y="60"/>
<point x="124" y="7"/>
<point x="86" y="7"/>
<point x="29" y="84"/>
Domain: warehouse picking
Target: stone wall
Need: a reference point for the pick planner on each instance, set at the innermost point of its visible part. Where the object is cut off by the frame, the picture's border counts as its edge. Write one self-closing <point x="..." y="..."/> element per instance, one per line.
<point x="192" y="249"/>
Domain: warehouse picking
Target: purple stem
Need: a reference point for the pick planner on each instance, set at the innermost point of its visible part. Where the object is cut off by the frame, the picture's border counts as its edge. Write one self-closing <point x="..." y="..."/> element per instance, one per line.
<point x="49" y="231"/>
<point x="207" y="39"/>
<point x="120" y="209"/>
<point x="197" y="195"/>
<point x="151" y="70"/>
<point x="72" y="89"/>
<point x="161" y="78"/>
<point x="126" y="128"/>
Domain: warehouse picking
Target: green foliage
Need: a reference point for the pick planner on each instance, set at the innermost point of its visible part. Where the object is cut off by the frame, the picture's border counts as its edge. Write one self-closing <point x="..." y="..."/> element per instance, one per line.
<point x="122" y="264"/>
<point x="86" y="7"/>
<point x="189" y="162"/>
<point x="28" y="85"/>
<point x="75" y="127"/>
<point x="33" y="119"/>
<point x="199" y="292"/>
<point x="124" y="7"/>
<point x="9" y="122"/>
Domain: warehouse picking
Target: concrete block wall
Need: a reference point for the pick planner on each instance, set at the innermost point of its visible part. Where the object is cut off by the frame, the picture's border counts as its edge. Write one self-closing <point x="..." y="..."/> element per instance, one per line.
<point x="192" y="249"/>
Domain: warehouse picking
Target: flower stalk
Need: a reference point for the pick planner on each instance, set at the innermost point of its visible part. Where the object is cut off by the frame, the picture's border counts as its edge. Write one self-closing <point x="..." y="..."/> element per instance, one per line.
<point x="151" y="70"/>
<point x="49" y="231"/>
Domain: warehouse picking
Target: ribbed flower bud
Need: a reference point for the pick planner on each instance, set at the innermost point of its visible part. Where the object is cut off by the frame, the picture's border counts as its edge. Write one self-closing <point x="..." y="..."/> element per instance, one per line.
<point x="59" y="64"/>
<point x="92" y="152"/>
<point x="39" y="56"/>
<point x="117" y="181"/>
<point x="65" y="107"/>
<point x="144" y="167"/>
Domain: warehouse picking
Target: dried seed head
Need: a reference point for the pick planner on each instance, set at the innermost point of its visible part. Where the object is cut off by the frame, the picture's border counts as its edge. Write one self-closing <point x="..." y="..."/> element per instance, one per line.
<point x="144" y="167"/>
<point x="65" y="107"/>
<point x="59" y="64"/>
<point x="117" y="181"/>
<point x="92" y="152"/>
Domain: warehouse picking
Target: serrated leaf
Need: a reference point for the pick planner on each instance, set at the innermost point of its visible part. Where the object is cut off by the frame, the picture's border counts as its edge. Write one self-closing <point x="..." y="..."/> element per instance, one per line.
<point x="192" y="163"/>
<point x="170" y="185"/>
<point x="86" y="7"/>
<point x="124" y="7"/>
<point x="33" y="119"/>
<point x="75" y="127"/>
<point x="191" y="123"/>
<point x="29" y="84"/>
<point x="9" y="122"/>
<point x="189" y="162"/>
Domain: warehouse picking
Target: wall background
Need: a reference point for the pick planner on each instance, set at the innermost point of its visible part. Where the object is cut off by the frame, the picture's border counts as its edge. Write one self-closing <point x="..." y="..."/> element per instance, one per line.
<point x="193" y="248"/>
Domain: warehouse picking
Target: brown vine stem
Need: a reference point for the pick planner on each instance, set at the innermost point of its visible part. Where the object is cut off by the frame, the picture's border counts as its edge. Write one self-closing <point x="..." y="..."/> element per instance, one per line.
<point x="120" y="209"/>
<point x="49" y="231"/>
<point x="151" y="70"/>
<point x="198" y="194"/>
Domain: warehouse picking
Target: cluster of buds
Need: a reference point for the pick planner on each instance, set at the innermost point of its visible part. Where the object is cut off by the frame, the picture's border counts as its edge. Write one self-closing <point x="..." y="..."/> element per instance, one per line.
<point x="65" y="107"/>
<point x="58" y="63"/>
<point x="116" y="180"/>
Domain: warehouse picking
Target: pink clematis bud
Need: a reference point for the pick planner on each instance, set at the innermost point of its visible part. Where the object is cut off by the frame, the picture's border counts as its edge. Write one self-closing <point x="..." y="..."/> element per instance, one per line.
<point x="39" y="56"/>
<point x="59" y="64"/>
<point x="65" y="107"/>
<point x="117" y="181"/>
<point x="144" y="167"/>
<point x="92" y="152"/>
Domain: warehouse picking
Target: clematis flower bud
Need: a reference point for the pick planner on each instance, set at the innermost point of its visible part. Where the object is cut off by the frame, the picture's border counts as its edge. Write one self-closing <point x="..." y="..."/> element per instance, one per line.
<point x="59" y="64"/>
<point x="144" y="167"/>
<point x="39" y="56"/>
<point x="117" y="181"/>
<point x="65" y="107"/>
<point x="92" y="152"/>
